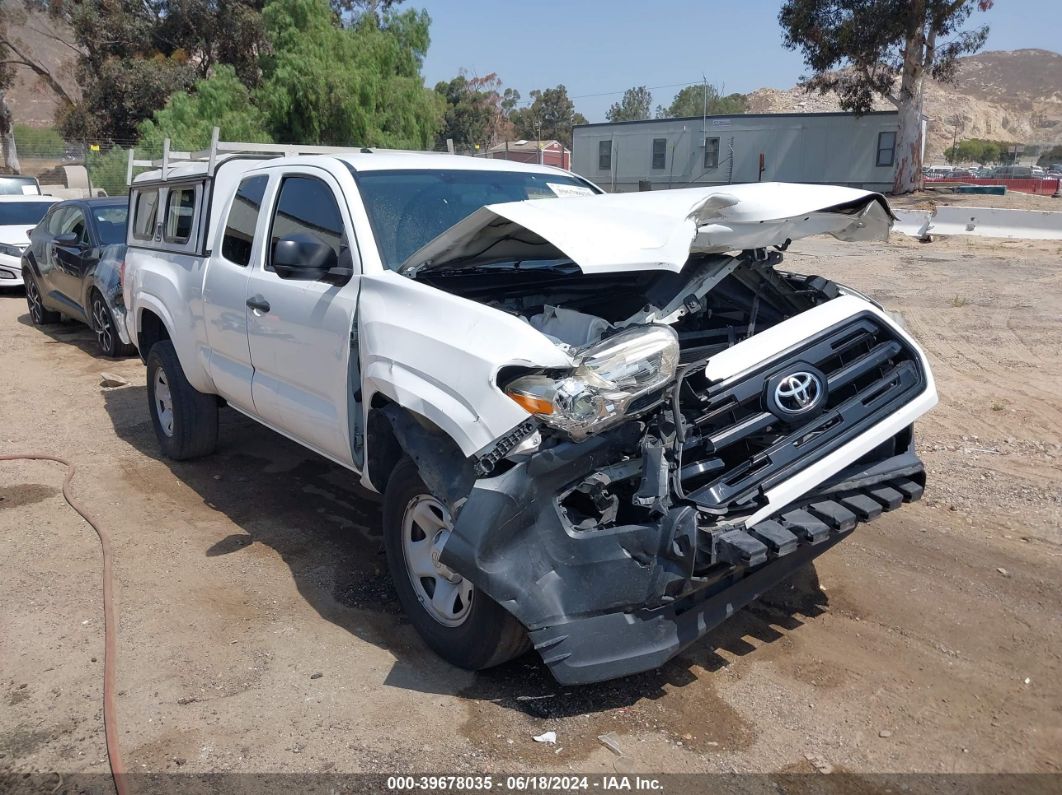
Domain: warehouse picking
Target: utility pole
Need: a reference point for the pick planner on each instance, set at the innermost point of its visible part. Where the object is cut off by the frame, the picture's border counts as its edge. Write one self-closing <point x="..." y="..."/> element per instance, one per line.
<point x="704" y="112"/>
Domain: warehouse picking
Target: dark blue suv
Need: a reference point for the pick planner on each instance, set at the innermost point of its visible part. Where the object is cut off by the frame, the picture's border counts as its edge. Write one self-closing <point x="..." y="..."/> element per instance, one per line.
<point x="73" y="266"/>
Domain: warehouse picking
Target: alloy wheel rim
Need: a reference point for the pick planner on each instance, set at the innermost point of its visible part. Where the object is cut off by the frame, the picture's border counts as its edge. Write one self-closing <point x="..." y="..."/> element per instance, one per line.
<point x="34" y="297"/>
<point x="163" y="403"/>
<point x="445" y="595"/>
<point x="101" y="320"/>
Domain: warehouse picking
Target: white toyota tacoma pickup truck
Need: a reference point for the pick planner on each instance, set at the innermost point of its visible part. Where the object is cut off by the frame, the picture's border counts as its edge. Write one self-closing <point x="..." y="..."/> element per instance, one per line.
<point x="600" y="423"/>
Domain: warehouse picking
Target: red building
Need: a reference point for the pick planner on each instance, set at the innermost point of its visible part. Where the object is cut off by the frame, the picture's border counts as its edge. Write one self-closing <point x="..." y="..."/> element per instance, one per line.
<point x="547" y="153"/>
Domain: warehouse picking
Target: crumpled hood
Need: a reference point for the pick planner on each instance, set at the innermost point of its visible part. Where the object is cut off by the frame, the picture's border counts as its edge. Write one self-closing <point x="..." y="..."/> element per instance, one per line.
<point x="658" y="229"/>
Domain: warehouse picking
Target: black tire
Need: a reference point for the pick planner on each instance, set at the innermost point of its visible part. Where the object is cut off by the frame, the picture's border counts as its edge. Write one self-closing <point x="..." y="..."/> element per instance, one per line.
<point x="187" y="423"/>
<point x="488" y="636"/>
<point x="103" y="326"/>
<point x="39" y="315"/>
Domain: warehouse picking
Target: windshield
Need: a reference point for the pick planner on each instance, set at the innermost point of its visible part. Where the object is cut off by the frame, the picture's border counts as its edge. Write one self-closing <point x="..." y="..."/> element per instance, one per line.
<point x="110" y="223"/>
<point x="409" y="208"/>
<point x="22" y="213"/>
<point x="19" y="186"/>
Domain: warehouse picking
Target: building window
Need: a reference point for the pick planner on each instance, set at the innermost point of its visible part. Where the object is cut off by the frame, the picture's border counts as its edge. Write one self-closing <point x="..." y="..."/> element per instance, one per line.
<point x="604" y="155"/>
<point x="711" y="153"/>
<point x="886" y="148"/>
<point x="659" y="154"/>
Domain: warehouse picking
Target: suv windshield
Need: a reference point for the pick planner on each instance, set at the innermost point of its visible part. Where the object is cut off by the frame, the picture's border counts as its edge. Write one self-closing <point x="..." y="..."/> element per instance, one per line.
<point x="110" y="223"/>
<point x="22" y="213"/>
<point x="409" y="208"/>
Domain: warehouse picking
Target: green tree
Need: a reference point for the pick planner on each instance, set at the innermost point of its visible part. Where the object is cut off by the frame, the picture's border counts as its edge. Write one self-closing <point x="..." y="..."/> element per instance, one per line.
<point x="702" y="98"/>
<point x="551" y="115"/>
<point x="189" y="116"/>
<point x="133" y="54"/>
<point x="475" y="110"/>
<point x="862" y="48"/>
<point x="360" y="85"/>
<point x="635" y="105"/>
<point x="108" y="170"/>
<point x="39" y="141"/>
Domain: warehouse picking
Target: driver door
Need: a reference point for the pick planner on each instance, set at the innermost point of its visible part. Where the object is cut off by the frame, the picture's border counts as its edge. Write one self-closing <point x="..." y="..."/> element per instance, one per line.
<point x="68" y="257"/>
<point x="299" y="331"/>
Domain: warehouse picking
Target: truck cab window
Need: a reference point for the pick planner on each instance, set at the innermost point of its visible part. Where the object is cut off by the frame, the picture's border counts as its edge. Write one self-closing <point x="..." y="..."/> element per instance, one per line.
<point x="307" y="206"/>
<point x="243" y="218"/>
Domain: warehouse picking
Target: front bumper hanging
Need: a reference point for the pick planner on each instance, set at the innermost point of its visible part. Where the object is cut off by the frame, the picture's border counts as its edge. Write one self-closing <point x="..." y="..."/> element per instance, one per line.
<point x="608" y="602"/>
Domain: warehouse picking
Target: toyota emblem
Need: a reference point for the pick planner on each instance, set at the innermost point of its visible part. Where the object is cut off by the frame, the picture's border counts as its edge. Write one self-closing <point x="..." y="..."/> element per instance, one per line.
<point x="798" y="392"/>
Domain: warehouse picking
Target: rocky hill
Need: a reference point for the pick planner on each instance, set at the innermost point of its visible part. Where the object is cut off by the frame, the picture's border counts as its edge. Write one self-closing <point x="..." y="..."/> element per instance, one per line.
<point x="1015" y="96"/>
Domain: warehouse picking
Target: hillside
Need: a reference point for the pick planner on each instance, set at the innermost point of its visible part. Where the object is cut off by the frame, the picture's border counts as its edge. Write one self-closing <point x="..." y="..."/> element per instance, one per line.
<point x="1014" y="95"/>
<point x="30" y="101"/>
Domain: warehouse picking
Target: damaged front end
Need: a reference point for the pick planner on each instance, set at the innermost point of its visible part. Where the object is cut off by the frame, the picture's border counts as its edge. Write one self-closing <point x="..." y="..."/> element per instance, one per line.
<point x="720" y="426"/>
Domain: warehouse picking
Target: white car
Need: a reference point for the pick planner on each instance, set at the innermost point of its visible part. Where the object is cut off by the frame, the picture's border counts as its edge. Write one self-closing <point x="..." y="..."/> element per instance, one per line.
<point x="600" y="423"/>
<point x="18" y="216"/>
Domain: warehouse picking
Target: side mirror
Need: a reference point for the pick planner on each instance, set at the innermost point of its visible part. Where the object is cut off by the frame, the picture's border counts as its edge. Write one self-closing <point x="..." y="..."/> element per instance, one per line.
<point x="67" y="239"/>
<point x="303" y="256"/>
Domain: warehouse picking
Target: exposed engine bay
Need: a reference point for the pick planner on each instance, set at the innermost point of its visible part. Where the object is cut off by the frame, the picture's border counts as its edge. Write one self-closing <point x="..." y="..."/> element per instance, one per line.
<point x="714" y="302"/>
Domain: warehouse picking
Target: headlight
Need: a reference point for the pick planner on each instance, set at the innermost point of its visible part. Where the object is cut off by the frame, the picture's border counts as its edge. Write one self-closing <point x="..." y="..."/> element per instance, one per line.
<point x="606" y="379"/>
<point x="10" y="250"/>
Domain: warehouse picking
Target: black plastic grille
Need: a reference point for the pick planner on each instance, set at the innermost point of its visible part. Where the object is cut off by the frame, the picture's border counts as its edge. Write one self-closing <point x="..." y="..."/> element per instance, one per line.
<point x="735" y="446"/>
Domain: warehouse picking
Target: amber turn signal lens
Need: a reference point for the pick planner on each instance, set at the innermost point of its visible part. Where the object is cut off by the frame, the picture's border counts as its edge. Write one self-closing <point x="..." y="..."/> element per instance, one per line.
<point x="532" y="404"/>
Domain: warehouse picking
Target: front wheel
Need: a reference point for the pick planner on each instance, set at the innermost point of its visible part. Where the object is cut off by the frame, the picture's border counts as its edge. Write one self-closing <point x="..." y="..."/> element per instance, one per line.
<point x="110" y="344"/>
<point x="459" y="622"/>
<point x="185" y="420"/>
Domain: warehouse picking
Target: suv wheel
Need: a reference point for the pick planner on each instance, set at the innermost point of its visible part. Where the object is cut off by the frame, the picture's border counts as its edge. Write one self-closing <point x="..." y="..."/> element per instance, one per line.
<point x="110" y="344"/>
<point x="185" y="420"/>
<point x="459" y="622"/>
<point x="38" y="314"/>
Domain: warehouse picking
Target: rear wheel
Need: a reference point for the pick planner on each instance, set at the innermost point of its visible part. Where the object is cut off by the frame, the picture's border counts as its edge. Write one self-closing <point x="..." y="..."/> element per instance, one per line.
<point x="110" y="344"/>
<point x="38" y="314"/>
<point x="185" y="420"/>
<point x="458" y="621"/>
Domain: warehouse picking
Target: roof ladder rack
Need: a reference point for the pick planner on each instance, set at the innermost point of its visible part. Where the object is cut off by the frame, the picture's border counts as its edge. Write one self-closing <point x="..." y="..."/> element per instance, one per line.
<point x="217" y="148"/>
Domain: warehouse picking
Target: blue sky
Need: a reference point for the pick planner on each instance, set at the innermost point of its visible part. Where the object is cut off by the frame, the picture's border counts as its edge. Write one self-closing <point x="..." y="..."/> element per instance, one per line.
<point x="597" y="48"/>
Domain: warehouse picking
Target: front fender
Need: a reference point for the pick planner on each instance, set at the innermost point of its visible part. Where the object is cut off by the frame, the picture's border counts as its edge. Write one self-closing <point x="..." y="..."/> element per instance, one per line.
<point x="107" y="280"/>
<point x="438" y="355"/>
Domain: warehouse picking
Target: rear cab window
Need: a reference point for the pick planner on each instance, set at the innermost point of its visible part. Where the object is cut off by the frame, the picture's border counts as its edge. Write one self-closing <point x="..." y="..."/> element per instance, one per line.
<point x="238" y="240"/>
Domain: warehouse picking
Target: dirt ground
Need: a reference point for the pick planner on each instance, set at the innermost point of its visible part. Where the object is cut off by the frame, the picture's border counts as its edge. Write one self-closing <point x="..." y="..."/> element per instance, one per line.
<point x="259" y="632"/>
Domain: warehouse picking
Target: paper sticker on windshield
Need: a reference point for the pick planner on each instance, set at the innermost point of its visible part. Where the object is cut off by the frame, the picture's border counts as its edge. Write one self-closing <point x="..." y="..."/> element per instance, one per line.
<point x="569" y="190"/>
<point x="31" y="190"/>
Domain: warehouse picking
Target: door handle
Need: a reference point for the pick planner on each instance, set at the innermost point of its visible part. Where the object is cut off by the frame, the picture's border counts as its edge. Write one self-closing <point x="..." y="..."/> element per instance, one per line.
<point x="258" y="304"/>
